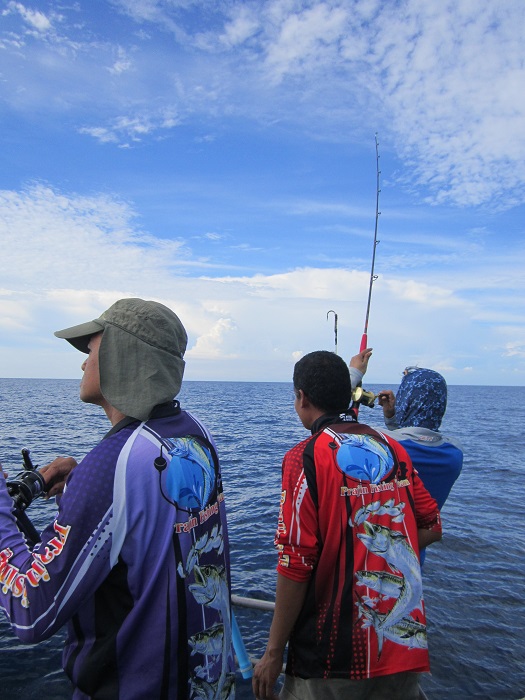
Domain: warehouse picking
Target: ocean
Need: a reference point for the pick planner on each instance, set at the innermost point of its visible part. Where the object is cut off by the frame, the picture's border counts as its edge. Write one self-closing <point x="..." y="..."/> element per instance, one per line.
<point x="473" y="579"/>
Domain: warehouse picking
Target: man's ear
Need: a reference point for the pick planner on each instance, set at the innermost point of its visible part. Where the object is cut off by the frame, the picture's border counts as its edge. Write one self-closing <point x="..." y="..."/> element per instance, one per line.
<point x="303" y="399"/>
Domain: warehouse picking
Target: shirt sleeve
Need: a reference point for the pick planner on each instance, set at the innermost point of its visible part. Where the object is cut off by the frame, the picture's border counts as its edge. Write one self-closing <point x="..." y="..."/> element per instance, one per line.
<point x="356" y="377"/>
<point x="43" y="587"/>
<point x="428" y="516"/>
<point x="391" y="423"/>
<point x="296" y="537"/>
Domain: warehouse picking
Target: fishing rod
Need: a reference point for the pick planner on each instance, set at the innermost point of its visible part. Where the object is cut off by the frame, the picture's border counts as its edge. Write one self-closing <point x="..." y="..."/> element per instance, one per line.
<point x="373" y="277"/>
<point x="23" y="489"/>
<point x="359" y="395"/>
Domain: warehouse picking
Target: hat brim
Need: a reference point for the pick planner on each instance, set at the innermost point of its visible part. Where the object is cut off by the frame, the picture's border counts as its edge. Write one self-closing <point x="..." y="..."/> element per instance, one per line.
<point x="80" y="335"/>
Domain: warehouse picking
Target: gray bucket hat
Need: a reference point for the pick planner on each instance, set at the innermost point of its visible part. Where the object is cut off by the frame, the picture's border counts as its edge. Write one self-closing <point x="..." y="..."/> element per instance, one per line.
<point x="140" y="355"/>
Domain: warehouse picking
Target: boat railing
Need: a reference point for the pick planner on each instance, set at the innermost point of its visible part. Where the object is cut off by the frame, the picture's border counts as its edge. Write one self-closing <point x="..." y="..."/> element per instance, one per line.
<point x="253" y="603"/>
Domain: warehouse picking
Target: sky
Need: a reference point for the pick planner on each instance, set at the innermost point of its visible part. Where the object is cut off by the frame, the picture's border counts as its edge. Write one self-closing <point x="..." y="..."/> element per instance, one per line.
<point x="220" y="157"/>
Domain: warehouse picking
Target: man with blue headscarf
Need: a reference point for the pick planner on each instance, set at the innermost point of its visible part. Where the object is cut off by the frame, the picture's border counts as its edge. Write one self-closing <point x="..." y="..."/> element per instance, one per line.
<point x="413" y="417"/>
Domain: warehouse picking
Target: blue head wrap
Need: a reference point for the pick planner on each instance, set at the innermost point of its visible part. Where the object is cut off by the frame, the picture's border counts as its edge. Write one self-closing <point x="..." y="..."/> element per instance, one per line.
<point x="421" y="399"/>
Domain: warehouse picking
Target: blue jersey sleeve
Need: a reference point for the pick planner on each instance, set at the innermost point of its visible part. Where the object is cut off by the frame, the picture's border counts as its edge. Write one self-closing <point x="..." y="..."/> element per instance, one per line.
<point x="41" y="588"/>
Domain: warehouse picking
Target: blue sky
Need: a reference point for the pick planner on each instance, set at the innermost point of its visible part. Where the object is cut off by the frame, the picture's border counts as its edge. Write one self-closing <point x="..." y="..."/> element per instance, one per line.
<point x="220" y="157"/>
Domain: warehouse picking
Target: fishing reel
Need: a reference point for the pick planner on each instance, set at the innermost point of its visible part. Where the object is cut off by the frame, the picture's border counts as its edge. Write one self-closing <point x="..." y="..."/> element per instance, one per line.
<point x="27" y="485"/>
<point x="361" y="396"/>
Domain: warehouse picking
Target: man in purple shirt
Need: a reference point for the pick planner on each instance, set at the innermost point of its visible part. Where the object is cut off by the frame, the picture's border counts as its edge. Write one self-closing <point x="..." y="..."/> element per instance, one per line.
<point x="136" y="562"/>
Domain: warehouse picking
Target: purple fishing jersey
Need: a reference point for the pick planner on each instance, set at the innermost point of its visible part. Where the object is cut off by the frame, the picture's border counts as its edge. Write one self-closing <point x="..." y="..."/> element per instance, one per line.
<point x="136" y="563"/>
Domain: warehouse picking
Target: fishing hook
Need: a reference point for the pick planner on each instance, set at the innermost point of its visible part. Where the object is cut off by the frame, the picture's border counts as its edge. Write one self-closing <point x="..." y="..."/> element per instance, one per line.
<point x="335" y="326"/>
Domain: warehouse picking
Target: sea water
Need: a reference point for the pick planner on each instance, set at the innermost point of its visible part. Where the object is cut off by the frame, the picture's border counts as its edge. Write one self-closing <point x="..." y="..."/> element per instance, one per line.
<point x="473" y="579"/>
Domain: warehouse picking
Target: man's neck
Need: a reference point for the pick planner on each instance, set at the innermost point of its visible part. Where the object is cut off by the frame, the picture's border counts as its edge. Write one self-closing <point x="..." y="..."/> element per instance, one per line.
<point x="321" y="421"/>
<point x="329" y="418"/>
<point x="113" y="414"/>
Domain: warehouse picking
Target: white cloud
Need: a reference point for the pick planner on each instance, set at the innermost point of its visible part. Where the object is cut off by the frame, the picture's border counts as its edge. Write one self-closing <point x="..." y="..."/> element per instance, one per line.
<point x="142" y="10"/>
<point x="13" y="315"/>
<point x="34" y="18"/>
<point x="102" y="134"/>
<point x="240" y="28"/>
<point x="122" y="64"/>
<point x="90" y="233"/>
<point x="516" y="348"/>
<point x="305" y="40"/>
<point x="447" y="81"/>
<point x="428" y="294"/>
<point x="211" y="343"/>
<point x="134" y="129"/>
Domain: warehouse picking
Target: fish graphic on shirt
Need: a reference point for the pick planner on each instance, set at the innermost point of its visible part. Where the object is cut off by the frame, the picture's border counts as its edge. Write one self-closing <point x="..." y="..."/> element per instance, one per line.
<point x="211" y="589"/>
<point x="407" y="632"/>
<point x="395" y="549"/>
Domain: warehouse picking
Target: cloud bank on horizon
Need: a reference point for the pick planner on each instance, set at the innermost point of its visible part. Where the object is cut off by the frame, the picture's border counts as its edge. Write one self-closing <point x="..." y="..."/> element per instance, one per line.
<point x="220" y="158"/>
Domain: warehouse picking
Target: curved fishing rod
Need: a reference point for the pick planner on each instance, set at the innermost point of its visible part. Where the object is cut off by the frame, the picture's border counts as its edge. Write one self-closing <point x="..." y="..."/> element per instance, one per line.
<point x="373" y="277"/>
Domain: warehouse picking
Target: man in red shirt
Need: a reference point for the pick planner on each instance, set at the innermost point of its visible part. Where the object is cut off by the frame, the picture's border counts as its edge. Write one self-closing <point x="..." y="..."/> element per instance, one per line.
<point x="353" y="517"/>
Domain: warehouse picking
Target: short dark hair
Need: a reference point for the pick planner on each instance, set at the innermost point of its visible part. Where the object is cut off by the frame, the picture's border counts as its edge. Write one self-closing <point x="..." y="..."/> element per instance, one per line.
<point x="325" y="380"/>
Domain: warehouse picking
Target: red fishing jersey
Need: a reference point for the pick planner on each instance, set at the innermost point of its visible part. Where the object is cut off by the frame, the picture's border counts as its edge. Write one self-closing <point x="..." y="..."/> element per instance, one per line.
<point x="351" y="506"/>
